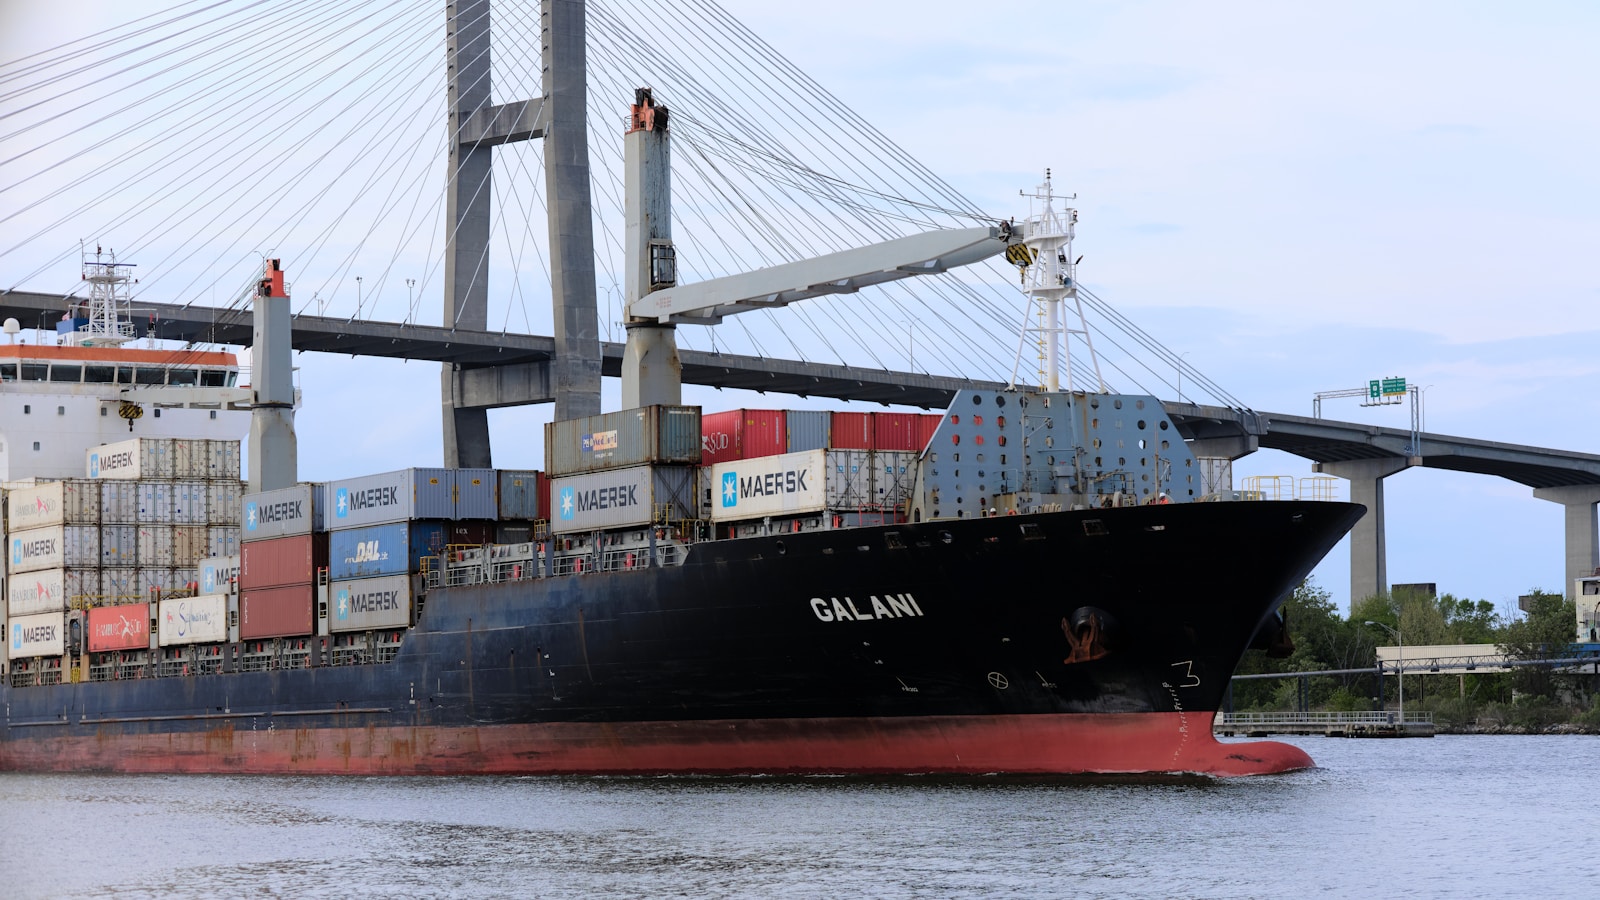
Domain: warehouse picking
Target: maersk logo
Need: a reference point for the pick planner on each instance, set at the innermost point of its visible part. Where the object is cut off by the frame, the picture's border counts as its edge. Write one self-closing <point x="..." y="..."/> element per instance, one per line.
<point x="792" y="481"/>
<point x="250" y="517"/>
<point x="16" y="552"/>
<point x="342" y="604"/>
<point x="16" y="636"/>
<point x="31" y="550"/>
<point x="94" y="465"/>
<point x="730" y="489"/>
<point x="568" y="503"/>
<point x="208" y="577"/>
<point x="341" y="502"/>
<point x="345" y="502"/>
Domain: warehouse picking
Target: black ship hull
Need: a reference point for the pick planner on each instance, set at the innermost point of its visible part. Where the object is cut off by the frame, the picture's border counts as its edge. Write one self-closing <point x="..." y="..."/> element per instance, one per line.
<point x="1085" y="641"/>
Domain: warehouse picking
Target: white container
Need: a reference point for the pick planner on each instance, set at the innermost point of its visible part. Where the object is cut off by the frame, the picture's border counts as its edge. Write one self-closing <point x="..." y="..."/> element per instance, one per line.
<point x="119" y="545"/>
<point x="32" y="593"/>
<point x="894" y="477"/>
<point x="216" y="573"/>
<point x="119" y="585"/>
<point x="155" y="546"/>
<point x="789" y="484"/>
<point x="155" y="502"/>
<point x="82" y="587"/>
<point x="223" y="502"/>
<point x="623" y="498"/>
<point x="369" y="603"/>
<point x="222" y="540"/>
<point x="192" y="620"/>
<point x="72" y="502"/>
<point x="153" y="580"/>
<point x="119" y="502"/>
<point x="222" y="461"/>
<point x="191" y="502"/>
<point x="286" y="512"/>
<point x="40" y="635"/>
<point x="849" y="482"/>
<point x="189" y="544"/>
<point x="131" y="460"/>
<point x="53" y="548"/>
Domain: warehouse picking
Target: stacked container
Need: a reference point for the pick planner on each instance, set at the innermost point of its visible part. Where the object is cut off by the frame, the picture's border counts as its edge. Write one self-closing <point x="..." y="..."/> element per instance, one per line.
<point x="282" y="546"/>
<point x="624" y="469"/>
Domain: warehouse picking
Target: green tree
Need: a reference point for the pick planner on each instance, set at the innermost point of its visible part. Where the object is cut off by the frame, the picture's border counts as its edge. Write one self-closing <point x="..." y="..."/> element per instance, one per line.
<point x="1469" y="621"/>
<point x="1545" y="632"/>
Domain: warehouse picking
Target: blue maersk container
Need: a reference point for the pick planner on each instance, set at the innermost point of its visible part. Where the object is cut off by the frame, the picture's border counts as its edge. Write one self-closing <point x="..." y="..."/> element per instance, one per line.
<point x="376" y="550"/>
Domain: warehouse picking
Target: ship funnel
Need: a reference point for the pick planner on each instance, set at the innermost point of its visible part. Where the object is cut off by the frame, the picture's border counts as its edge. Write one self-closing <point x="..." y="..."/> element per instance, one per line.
<point x="273" y="448"/>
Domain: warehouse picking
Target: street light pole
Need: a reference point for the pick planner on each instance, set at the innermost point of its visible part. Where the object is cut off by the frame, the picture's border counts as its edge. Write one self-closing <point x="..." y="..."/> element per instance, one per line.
<point x="1400" y="667"/>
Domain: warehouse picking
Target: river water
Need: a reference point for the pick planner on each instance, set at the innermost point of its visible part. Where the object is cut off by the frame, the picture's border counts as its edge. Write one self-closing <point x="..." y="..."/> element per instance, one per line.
<point x="1455" y="816"/>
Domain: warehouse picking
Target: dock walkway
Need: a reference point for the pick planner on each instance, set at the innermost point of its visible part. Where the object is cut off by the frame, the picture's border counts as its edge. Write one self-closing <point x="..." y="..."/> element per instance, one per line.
<point x="1327" y="724"/>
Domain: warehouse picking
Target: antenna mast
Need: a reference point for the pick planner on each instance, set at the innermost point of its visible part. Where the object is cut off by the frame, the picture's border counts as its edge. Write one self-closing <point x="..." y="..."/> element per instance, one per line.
<point x="1049" y="277"/>
<point x="107" y="317"/>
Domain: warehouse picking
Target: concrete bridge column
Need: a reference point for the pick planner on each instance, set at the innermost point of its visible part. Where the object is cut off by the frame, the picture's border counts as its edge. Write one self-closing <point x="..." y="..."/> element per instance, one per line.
<point x="1583" y="528"/>
<point x="1369" y="568"/>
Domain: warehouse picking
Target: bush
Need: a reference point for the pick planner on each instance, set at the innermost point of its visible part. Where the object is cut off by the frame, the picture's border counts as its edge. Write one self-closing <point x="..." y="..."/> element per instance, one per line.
<point x="1345" y="700"/>
<point x="1452" y="712"/>
<point x="1536" y="713"/>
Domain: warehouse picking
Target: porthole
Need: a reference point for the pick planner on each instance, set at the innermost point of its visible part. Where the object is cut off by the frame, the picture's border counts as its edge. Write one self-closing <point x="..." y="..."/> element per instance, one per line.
<point x="1141" y="443"/>
<point x="955" y="438"/>
<point x="977" y="399"/>
<point x="1097" y="443"/>
<point x="1139" y="404"/>
<point x="1094" y="403"/>
<point x="1122" y="460"/>
<point x="1166" y="446"/>
<point x="999" y="401"/>
<point x="1141" y="421"/>
<point x="1117" y="403"/>
<point x="999" y="421"/>
<point x="1002" y="440"/>
<point x="1163" y="424"/>
<point x="978" y="439"/>
<point x="977" y="420"/>
<point x="1050" y="422"/>
<point x="1049" y="441"/>
<point x="781" y="549"/>
<point x="955" y="419"/>
<point x="945" y="536"/>
<point x="955" y="457"/>
<point x="980" y="459"/>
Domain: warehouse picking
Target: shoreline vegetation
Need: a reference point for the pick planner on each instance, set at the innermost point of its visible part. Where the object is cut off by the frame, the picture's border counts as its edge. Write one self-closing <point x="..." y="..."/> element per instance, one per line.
<point x="1526" y="700"/>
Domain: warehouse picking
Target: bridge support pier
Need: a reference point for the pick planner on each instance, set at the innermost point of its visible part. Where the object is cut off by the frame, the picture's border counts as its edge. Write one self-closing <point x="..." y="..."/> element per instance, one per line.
<point x="1582" y="528"/>
<point x="1369" y="570"/>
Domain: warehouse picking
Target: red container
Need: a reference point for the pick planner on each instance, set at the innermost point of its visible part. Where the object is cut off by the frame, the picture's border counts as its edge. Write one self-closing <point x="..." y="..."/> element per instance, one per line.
<point x="851" y="431"/>
<point x="275" y="612"/>
<point x="897" y="431"/>
<point x="742" y="434"/>
<point x="119" y="628"/>
<point x="281" y="561"/>
<point x="544" y="496"/>
<point x="927" y="424"/>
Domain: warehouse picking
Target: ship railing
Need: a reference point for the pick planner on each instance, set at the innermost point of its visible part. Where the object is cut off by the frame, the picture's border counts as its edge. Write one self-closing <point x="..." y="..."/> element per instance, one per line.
<point x="1368" y="717"/>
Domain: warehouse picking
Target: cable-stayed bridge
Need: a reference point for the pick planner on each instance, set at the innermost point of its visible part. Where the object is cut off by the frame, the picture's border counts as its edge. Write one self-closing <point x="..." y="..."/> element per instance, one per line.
<point x="187" y="131"/>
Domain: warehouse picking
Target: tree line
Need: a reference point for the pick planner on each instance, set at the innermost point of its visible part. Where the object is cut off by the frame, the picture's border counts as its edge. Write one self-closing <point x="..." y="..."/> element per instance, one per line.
<point x="1528" y="697"/>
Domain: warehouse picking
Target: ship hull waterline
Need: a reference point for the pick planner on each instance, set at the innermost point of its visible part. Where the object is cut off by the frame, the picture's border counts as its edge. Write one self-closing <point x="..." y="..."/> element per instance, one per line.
<point x="1059" y="643"/>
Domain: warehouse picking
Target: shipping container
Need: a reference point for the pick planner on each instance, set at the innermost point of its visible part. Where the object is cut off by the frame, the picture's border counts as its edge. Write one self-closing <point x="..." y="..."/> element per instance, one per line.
<point x="370" y="603"/>
<point x="274" y="612"/>
<point x="271" y="514"/>
<point x="282" y="561"/>
<point x="897" y="431"/>
<point x="118" y="585"/>
<point x="524" y="495"/>
<point x="154" y="582"/>
<point x="131" y="460"/>
<point x="41" y="635"/>
<point x="119" y="628"/>
<point x="789" y="484"/>
<point x="191" y="458"/>
<point x="927" y="424"/>
<point x="155" y="502"/>
<point x="624" y="497"/>
<point x="216" y="573"/>
<point x="383" y="549"/>
<point x="119" y="502"/>
<point x="119" y="545"/>
<point x="155" y="546"/>
<point x="83" y="587"/>
<point x="190" y="544"/>
<point x="72" y="502"/>
<point x="468" y="534"/>
<point x="514" y="532"/>
<point x="223" y="503"/>
<point x="808" y="429"/>
<point x="850" y="431"/>
<point x="191" y="502"/>
<point x="192" y="620"/>
<point x="742" y="434"/>
<point x="849" y="482"/>
<point x="632" y="437"/>
<point x="222" y="540"/>
<point x="222" y="462"/>
<point x="32" y="593"/>
<point x="55" y="547"/>
<point x="409" y="494"/>
<point x="894" y="477"/>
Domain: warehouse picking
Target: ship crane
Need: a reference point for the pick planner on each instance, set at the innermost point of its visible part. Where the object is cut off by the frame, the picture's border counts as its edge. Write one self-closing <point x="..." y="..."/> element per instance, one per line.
<point x="656" y="303"/>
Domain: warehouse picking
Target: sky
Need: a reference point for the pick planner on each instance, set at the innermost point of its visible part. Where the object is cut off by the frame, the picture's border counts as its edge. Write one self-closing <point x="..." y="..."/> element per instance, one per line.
<point x="1294" y="197"/>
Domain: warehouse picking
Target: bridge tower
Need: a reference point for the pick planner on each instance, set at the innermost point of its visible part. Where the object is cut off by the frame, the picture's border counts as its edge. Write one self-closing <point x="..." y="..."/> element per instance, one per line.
<point x="476" y="126"/>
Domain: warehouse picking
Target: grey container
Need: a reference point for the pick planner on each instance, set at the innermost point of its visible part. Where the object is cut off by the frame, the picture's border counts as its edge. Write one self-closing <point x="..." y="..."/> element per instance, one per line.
<point x="222" y="461"/>
<point x="623" y="498"/>
<point x="633" y="437"/>
<point x="409" y="494"/>
<point x="894" y="476"/>
<point x="808" y="429"/>
<point x="849" y="480"/>
<point x="286" y="512"/>
<point x="519" y="495"/>
<point x="368" y="603"/>
<point x="119" y="502"/>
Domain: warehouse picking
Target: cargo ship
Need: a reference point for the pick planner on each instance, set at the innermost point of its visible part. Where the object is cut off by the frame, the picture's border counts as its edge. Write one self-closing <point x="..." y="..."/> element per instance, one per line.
<point x="1036" y="581"/>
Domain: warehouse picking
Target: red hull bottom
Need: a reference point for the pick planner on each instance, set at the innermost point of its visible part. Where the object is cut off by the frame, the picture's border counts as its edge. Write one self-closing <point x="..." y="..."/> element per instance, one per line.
<point x="974" y="745"/>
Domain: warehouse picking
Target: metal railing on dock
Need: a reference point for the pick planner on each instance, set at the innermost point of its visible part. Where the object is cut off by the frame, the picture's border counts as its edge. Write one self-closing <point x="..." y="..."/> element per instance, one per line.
<point x="1329" y="724"/>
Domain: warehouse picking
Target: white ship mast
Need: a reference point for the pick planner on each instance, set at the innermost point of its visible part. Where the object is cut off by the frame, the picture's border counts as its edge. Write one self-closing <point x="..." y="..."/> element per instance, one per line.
<point x="1049" y="277"/>
<point x="109" y="307"/>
